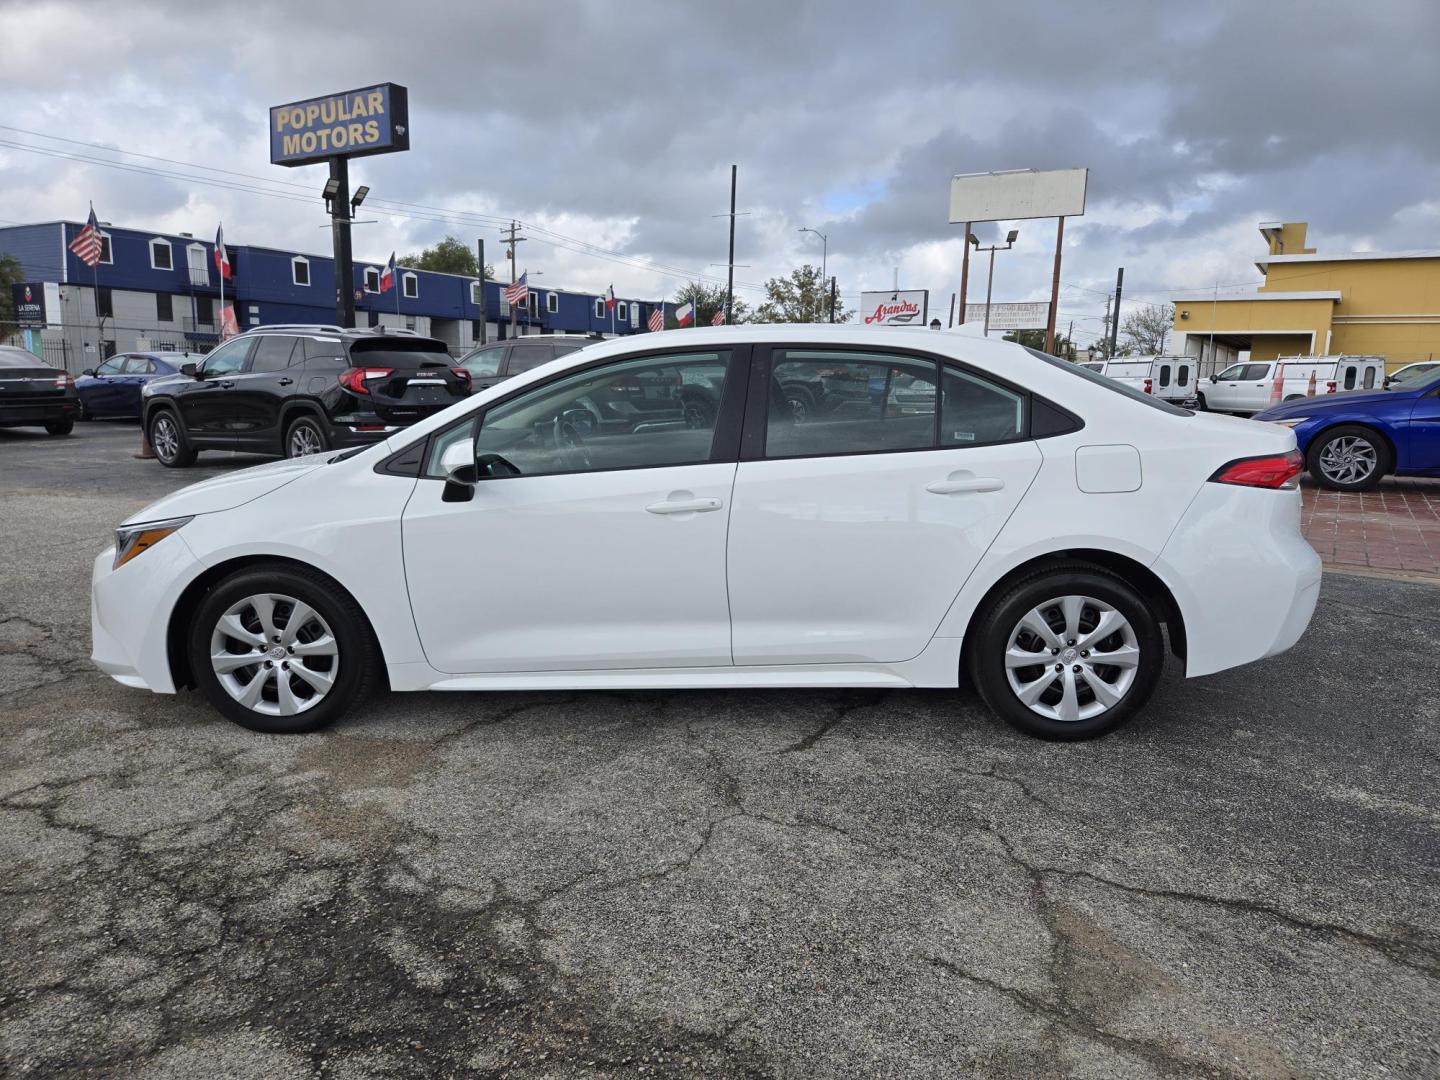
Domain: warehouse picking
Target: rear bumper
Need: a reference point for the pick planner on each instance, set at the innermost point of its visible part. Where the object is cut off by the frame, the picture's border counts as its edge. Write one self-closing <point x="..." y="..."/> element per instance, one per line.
<point x="1245" y="579"/>
<point x="20" y="414"/>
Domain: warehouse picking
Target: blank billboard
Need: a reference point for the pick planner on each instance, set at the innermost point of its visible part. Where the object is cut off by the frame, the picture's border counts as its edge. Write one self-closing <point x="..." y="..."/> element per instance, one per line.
<point x="1017" y="194"/>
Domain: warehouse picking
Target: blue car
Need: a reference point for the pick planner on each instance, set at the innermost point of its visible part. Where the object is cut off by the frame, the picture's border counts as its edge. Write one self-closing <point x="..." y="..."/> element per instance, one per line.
<point x="1352" y="440"/>
<point x="113" y="388"/>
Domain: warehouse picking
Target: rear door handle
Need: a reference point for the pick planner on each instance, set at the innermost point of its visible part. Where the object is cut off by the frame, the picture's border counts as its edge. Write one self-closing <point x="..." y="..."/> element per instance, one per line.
<point x="684" y="506"/>
<point x="961" y="484"/>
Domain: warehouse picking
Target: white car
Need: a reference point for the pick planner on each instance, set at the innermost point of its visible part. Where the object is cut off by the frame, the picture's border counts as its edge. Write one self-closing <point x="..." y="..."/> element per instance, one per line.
<point x="1035" y="533"/>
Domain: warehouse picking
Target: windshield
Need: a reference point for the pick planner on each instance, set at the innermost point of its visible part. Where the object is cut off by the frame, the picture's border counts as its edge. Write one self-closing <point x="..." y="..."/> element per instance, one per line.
<point x="1417" y="376"/>
<point x="1081" y="372"/>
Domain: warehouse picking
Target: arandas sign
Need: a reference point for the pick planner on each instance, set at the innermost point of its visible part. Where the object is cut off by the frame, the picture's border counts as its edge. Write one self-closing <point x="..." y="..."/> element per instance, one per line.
<point x="905" y="308"/>
<point x="371" y="120"/>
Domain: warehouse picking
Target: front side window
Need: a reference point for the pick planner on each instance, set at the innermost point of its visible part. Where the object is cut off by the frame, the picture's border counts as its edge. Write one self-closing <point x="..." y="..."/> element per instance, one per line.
<point x="228" y="358"/>
<point x="978" y="412"/>
<point x="650" y="412"/>
<point x="109" y="367"/>
<point x="1232" y="373"/>
<point x="272" y="353"/>
<point x="830" y="402"/>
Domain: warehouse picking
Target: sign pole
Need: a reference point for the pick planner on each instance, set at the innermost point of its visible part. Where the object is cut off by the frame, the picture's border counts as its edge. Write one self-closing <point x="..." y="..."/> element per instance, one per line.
<point x="964" y="274"/>
<point x="1055" y="287"/>
<point x="340" y="238"/>
<point x="481" y="242"/>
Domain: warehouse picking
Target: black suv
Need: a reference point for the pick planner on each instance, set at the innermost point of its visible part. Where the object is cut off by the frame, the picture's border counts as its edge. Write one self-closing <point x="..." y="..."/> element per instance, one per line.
<point x="295" y="390"/>
<point x="498" y="361"/>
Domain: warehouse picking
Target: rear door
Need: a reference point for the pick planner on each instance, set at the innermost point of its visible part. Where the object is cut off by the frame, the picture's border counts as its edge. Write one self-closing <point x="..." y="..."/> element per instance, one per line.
<point x="854" y="529"/>
<point x="525" y="355"/>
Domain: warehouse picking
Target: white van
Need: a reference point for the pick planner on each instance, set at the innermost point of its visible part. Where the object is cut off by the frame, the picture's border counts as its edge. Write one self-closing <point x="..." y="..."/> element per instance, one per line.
<point x="1246" y="388"/>
<point x="1171" y="378"/>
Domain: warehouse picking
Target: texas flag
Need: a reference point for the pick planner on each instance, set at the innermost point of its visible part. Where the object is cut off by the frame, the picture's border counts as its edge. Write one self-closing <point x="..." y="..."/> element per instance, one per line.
<point x="610" y="299"/>
<point x="222" y="257"/>
<point x="387" y="279"/>
<point x="685" y="314"/>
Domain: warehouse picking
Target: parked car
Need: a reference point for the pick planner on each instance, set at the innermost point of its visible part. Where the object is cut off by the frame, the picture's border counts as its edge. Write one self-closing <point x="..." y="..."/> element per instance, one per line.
<point x="35" y="394"/>
<point x="1413" y="373"/>
<point x="1035" y="532"/>
<point x="296" y="390"/>
<point x="1247" y="388"/>
<point x="1351" y="441"/>
<point x="1171" y="378"/>
<point x="500" y="360"/>
<point x="112" y="388"/>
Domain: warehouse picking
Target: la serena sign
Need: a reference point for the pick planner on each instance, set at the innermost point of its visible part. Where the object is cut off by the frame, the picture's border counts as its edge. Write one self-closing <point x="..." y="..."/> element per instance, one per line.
<point x="371" y="120"/>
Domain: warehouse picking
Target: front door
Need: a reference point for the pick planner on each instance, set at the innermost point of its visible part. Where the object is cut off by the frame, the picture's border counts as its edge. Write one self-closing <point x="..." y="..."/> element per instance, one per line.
<point x="1421" y="450"/>
<point x="270" y="377"/>
<point x="205" y="401"/>
<point x="103" y="395"/>
<point x="592" y="540"/>
<point x="1255" y="386"/>
<point x="856" y="525"/>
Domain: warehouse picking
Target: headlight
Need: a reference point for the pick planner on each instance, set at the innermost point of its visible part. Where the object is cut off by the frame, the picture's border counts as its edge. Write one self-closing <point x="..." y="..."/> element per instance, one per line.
<point x="1291" y="421"/>
<point x="131" y="540"/>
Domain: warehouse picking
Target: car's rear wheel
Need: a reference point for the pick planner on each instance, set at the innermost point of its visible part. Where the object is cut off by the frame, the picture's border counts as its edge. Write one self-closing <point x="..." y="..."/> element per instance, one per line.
<point x="167" y="439"/>
<point x="1349" y="458"/>
<point x="305" y="436"/>
<point x="60" y="427"/>
<point x="282" y="650"/>
<point x="1069" y="653"/>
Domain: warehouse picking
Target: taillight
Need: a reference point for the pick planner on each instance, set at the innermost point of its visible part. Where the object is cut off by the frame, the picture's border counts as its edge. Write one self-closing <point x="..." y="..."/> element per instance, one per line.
<point x="463" y="374"/>
<point x="353" y="379"/>
<point x="1149" y="386"/>
<point x="1330" y="387"/>
<point x="1274" y="471"/>
<point x="64" y="381"/>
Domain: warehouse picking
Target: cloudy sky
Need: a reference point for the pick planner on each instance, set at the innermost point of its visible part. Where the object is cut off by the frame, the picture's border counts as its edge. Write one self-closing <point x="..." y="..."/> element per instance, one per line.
<point x="614" y="126"/>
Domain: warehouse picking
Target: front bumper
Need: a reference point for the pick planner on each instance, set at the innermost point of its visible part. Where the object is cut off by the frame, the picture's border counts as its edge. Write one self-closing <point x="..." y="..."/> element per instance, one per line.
<point x="130" y="612"/>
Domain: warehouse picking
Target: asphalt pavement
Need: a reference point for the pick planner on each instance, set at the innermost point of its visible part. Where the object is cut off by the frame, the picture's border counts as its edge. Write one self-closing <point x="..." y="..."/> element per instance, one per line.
<point x="1243" y="882"/>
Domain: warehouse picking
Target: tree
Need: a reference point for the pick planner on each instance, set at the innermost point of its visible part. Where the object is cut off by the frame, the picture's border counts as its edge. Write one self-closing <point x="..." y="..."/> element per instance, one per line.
<point x="1146" y="330"/>
<point x="802" y="297"/>
<point x="708" y="299"/>
<point x="449" y="256"/>
<point x="11" y="273"/>
<point x="1035" y="339"/>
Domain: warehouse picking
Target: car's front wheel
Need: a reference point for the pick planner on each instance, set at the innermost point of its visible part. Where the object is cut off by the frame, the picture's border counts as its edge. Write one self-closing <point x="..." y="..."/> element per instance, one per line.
<point x="1349" y="458"/>
<point x="1068" y="653"/>
<point x="1200" y="403"/>
<point x="282" y="650"/>
<point x="167" y="439"/>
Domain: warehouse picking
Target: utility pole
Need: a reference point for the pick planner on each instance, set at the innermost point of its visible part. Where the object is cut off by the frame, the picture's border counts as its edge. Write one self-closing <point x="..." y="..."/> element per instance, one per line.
<point x="484" y="328"/>
<point x="1115" y="322"/>
<point x="1103" y="339"/>
<point x="730" y="272"/>
<point x="832" y="299"/>
<point x="1070" y="340"/>
<point x="964" y="274"/>
<point x="511" y="237"/>
<point x="1055" y="287"/>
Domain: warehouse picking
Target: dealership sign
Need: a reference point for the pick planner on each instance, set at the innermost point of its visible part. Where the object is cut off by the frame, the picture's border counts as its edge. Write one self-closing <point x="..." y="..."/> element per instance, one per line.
<point x="34" y="302"/>
<point x="372" y="120"/>
<point x="1026" y="316"/>
<point x="907" y="308"/>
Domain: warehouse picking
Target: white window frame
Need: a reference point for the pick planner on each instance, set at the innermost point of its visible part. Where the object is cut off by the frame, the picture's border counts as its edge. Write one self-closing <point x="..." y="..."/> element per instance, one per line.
<point x="599" y="307"/>
<point x="162" y="242"/>
<point x="297" y="261"/>
<point x="410" y="286"/>
<point x="107" y="247"/>
<point x="365" y="279"/>
<point x="622" y="311"/>
<point x="532" y="304"/>
<point x="552" y="303"/>
<point x="475" y="293"/>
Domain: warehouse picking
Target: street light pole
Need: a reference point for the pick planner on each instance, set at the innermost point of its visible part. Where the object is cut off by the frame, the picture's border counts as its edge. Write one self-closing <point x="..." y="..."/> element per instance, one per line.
<point x="824" y="253"/>
<point x="1010" y="239"/>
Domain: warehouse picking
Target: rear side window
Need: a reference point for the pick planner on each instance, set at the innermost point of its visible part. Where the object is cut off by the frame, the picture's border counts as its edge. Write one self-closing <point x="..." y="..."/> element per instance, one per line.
<point x="824" y="403"/>
<point x="523" y="357"/>
<point x="978" y="412"/>
<point x="136" y="365"/>
<point x="1255" y="372"/>
<point x="272" y="353"/>
<point x="484" y="362"/>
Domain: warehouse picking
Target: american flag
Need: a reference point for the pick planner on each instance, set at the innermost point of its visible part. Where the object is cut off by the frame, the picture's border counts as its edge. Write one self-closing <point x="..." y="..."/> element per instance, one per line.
<point x="718" y="319"/>
<point x="87" y="244"/>
<point x="657" y="319"/>
<point x="518" y="292"/>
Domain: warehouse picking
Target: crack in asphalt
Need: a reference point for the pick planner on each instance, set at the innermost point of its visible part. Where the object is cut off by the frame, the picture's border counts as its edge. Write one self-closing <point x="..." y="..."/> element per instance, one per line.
<point x="842" y="711"/>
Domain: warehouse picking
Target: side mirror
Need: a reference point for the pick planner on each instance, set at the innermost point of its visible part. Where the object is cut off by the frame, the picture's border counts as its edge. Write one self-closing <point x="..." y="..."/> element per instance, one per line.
<point x="460" y="484"/>
<point x="1214" y="378"/>
<point x="189" y="369"/>
<point x="88" y="371"/>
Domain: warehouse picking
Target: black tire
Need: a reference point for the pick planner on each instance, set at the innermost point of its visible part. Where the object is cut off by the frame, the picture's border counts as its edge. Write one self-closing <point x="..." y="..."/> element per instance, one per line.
<point x="83" y="414"/>
<point x="801" y="402"/>
<point x="357" y="662"/>
<point x="999" y="617"/>
<point x="168" y="440"/>
<point x="1200" y="403"/>
<point x="1378" y="449"/>
<point x="311" y="432"/>
<point x="60" y="427"/>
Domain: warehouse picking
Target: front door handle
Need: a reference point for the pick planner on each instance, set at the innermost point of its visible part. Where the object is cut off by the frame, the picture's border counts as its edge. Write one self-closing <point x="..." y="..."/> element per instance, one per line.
<point x="956" y="485"/>
<point x="684" y="506"/>
<point x="226" y="385"/>
<point x="286" y="382"/>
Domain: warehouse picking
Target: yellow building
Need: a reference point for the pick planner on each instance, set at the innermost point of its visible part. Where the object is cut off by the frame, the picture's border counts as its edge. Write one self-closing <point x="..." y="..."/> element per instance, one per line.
<point x="1367" y="302"/>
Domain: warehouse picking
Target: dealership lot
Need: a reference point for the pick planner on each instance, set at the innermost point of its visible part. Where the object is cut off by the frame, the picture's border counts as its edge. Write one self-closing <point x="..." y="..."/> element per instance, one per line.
<point x="1244" y="882"/>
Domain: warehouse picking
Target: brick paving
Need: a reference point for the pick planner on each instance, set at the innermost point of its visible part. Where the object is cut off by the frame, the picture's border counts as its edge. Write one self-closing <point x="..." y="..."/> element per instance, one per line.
<point x="1393" y="528"/>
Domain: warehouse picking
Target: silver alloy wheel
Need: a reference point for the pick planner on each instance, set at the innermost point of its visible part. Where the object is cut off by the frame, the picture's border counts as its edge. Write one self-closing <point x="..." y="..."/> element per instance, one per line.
<point x="274" y="654"/>
<point x="304" y="440"/>
<point x="1072" y="658"/>
<point x="165" y="438"/>
<point x="799" y="410"/>
<point x="1350" y="459"/>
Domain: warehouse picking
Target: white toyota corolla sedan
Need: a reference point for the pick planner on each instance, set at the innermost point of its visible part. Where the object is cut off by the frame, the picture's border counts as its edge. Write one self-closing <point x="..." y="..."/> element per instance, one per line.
<point x="750" y="506"/>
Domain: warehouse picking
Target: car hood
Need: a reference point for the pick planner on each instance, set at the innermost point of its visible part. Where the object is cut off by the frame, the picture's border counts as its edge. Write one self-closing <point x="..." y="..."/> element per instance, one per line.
<point x="1348" y="400"/>
<point x="229" y="491"/>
